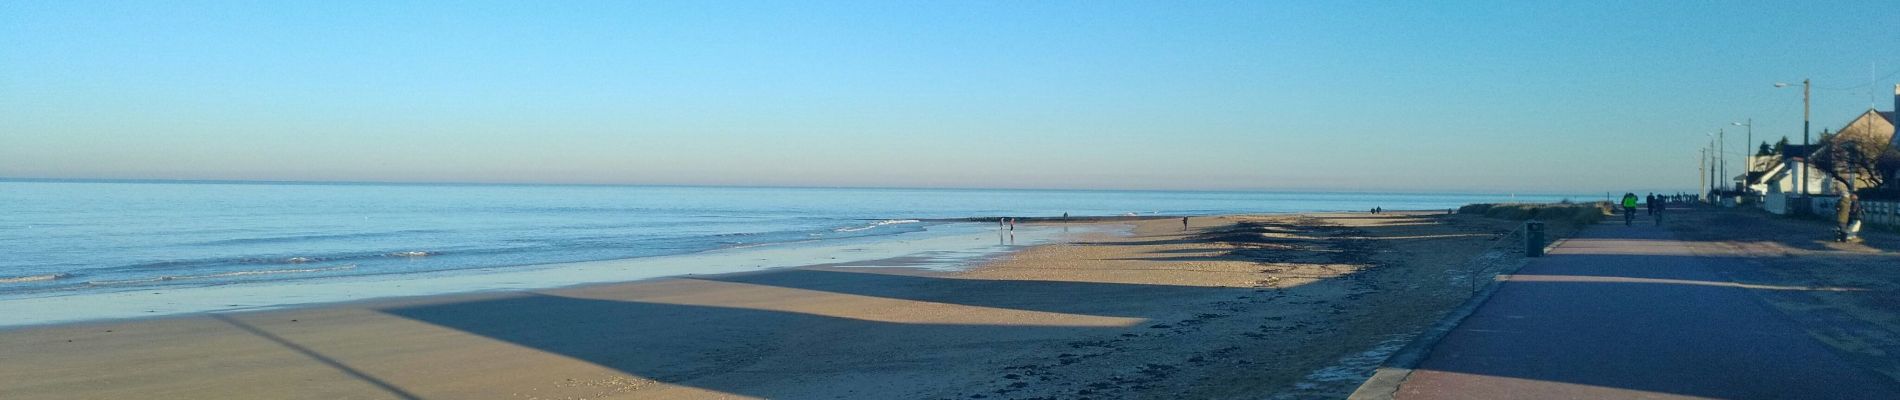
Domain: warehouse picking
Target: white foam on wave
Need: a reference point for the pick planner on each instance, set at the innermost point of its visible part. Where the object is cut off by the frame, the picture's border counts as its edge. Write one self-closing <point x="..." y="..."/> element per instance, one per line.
<point x="34" y="278"/>
<point x="877" y="224"/>
<point x="411" y="254"/>
<point x="221" y="275"/>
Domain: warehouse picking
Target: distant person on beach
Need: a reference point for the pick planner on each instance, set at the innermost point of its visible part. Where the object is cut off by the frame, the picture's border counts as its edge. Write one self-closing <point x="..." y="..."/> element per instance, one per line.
<point x="1184" y="222"/>
<point x="1012" y="224"/>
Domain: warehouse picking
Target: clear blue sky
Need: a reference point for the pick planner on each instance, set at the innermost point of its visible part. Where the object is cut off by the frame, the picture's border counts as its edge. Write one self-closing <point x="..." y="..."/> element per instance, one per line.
<point x="1504" y="96"/>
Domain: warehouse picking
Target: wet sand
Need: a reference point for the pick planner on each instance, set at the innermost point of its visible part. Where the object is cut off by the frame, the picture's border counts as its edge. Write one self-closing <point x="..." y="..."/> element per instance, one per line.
<point x="1238" y="306"/>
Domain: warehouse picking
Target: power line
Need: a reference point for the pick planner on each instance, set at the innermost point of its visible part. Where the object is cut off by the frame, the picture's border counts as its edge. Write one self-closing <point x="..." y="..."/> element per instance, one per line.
<point x="1860" y="86"/>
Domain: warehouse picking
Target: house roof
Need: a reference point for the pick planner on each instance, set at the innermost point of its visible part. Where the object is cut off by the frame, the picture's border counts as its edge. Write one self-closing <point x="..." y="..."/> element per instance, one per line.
<point x="1872" y="126"/>
<point x="1798" y="150"/>
<point x="1875" y="124"/>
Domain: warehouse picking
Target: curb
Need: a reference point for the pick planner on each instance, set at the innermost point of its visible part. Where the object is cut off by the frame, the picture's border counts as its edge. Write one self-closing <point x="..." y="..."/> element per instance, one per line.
<point x="1385" y="381"/>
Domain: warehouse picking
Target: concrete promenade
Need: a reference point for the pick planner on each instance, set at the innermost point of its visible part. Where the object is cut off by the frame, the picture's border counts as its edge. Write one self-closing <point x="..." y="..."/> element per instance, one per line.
<point x="1631" y="312"/>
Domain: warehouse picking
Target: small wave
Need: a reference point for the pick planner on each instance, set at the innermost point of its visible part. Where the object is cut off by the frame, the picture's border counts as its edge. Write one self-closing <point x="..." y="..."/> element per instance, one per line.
<point x="751" y="245"/>
<point x="299" y="238"/>
<point x="221" y="275"/>
<point x="35" y="278"/>
<point x="246" y="260"/>
<point x="877" y="224"/>
<point x="411" y="254"/>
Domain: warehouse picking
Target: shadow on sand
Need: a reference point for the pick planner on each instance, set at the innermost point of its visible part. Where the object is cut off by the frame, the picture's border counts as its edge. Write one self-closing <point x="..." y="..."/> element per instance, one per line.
<point x="712" y="347"/>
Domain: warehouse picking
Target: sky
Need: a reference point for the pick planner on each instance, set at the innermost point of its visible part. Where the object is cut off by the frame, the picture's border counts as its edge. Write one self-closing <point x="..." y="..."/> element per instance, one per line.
<point x="1452" y="96"/>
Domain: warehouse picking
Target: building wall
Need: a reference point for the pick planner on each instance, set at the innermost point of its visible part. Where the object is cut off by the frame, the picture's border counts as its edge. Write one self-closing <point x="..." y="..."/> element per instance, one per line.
<point x="1885" y="213"/>
<point x="1776" y="203"/>
<point x="1818" y="182"/>
<point x="1880" y="213"/>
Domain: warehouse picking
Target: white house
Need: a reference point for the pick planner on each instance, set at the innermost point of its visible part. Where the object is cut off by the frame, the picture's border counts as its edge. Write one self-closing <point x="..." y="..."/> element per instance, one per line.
<point x="1780" y="182"/>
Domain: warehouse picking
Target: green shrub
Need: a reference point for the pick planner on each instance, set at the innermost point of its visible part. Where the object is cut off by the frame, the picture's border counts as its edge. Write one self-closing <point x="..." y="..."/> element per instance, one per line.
<point x="1576" y="214"/>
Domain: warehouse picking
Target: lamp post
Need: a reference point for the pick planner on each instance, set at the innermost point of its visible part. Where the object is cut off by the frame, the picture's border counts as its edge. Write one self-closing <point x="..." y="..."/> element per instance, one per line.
<point x="1748" y="156"/>
<point x="1708" y="156"/>
<point x="1721" y="153"/>
<point x="1805" y="143"/>
<point x="1701" y="163"/>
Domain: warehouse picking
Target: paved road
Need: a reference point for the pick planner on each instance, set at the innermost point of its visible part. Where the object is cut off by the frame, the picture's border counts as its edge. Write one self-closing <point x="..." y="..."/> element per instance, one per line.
<point x="1630" y="312"/>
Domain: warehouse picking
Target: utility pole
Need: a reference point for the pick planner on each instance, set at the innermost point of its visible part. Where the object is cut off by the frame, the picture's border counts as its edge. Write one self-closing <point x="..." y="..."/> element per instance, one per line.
<point x="1712" y="162"/>
<point x="1806" y="143"/>
<point x="1721" y="154"/>
<point x="1701" y="177"/>
<point x="1748" y="154"/>
<point x="1712" y="180"/>
<point x="1808" y="146"/>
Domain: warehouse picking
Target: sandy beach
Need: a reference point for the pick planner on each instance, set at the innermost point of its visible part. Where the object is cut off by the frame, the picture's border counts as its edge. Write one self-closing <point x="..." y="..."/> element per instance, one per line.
<point x="1229" y="307"/>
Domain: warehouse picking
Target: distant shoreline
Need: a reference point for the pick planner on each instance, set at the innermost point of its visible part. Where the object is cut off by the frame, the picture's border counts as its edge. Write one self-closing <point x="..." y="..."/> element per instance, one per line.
<point x="4" y="179"/>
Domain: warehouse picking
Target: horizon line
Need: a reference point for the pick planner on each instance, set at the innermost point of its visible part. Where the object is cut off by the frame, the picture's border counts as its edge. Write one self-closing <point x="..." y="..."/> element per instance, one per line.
<point x="757" y="186"/>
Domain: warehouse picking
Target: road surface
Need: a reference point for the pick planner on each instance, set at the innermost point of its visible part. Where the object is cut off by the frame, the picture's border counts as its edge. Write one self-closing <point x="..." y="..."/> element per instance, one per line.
<point x="1631" y="312"/>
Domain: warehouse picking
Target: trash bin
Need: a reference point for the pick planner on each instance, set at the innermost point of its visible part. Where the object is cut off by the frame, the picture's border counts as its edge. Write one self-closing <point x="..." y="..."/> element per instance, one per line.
<point x="1533" y="238"/>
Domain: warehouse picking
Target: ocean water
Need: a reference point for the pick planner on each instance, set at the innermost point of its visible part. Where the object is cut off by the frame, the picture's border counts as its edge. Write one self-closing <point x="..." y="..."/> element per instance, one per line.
<point x="84" y="238"/>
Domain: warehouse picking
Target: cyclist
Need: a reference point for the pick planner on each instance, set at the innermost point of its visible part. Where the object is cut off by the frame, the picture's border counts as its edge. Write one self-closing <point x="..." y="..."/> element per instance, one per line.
<point x="1656" y="207"/>
<point x="1629" y="208"/>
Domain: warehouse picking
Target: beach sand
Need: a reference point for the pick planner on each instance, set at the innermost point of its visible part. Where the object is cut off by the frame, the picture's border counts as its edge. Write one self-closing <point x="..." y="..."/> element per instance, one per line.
<point x="1234" y="306"/>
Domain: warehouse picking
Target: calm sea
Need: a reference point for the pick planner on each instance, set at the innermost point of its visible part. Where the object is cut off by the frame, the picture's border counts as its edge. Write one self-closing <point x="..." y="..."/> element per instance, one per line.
<point x="65" y="238"/>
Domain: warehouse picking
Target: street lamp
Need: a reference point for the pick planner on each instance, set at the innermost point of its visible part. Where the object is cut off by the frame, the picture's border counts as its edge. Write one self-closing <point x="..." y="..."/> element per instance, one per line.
<point x="1805" y="143"/>
<point x="1748" y="154"/>
<point x="1703" y="174"/>
<point x="1721" y="152"/>
<point x="1708" y="156"/>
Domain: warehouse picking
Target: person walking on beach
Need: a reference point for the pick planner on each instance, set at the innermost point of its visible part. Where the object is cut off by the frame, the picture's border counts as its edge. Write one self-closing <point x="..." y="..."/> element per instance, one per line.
<point x="1184" y="223"/>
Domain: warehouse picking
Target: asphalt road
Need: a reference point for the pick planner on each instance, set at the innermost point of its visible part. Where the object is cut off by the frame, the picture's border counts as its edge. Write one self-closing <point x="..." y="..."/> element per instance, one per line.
<point x="1631" y="312"/>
